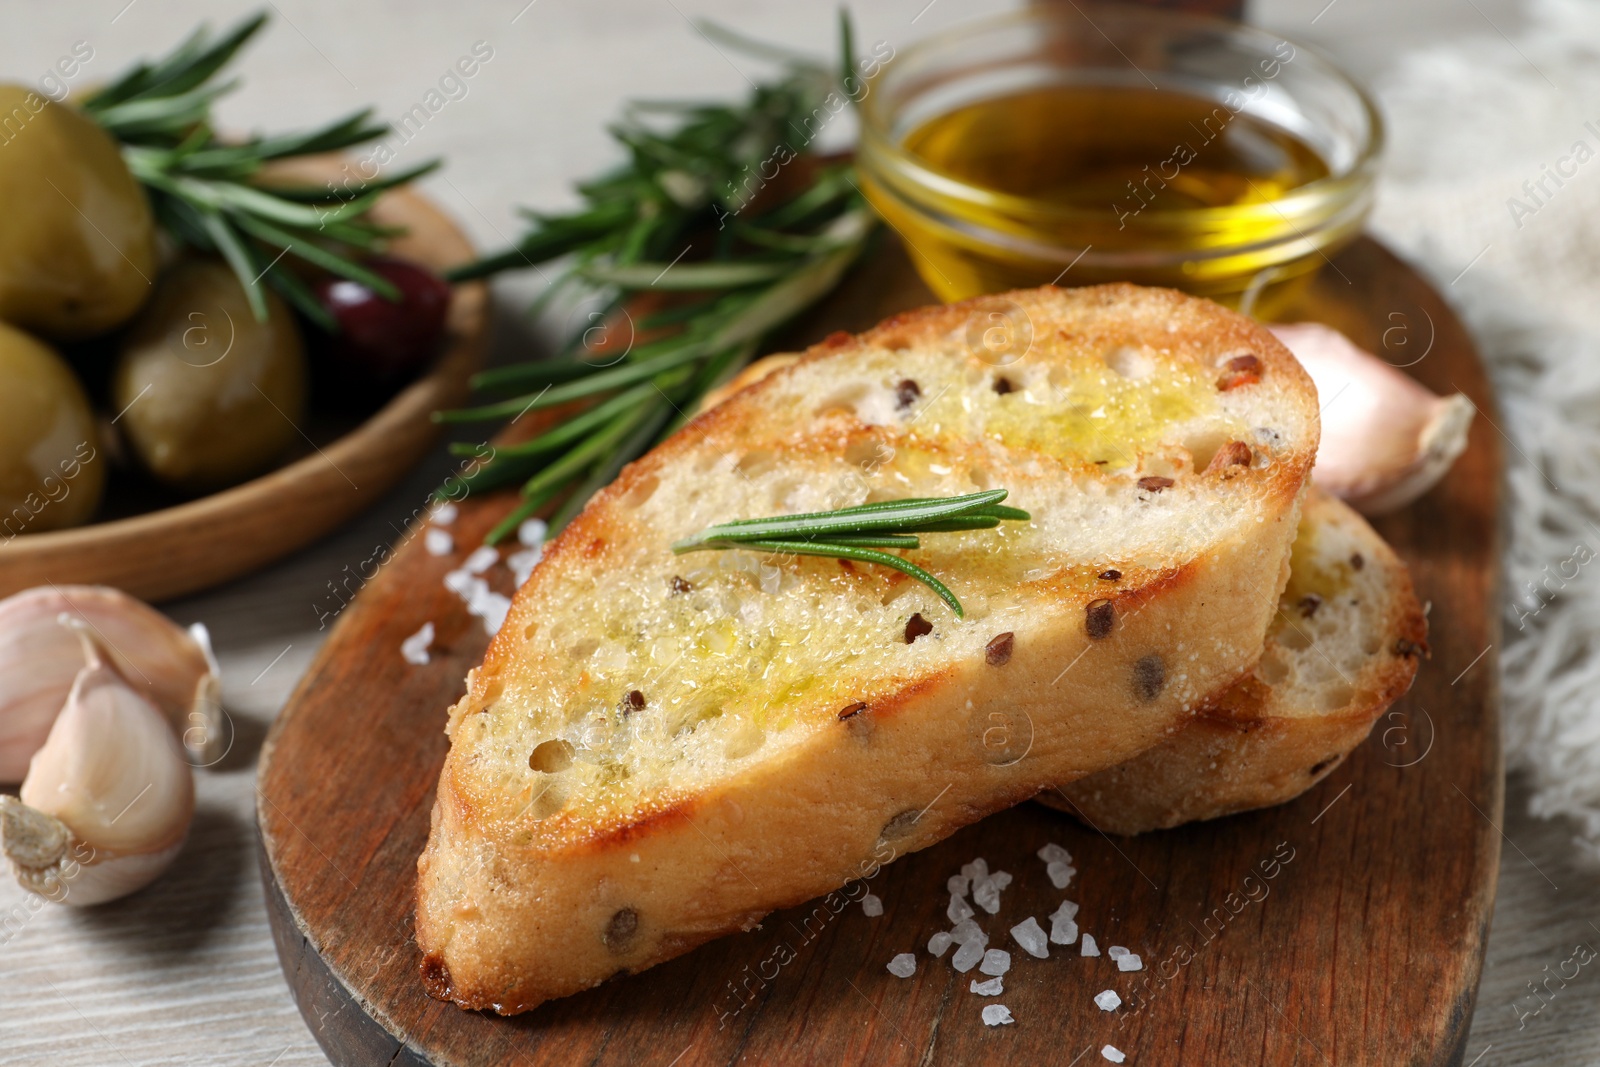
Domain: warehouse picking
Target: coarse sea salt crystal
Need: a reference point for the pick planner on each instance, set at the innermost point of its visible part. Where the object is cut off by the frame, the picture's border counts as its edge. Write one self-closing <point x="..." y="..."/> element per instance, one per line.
<point x="957" y="884"/>
<point x="978" y="868"/>
<point x="1130" y="962"/>
<point x="522" y="564"/>
<point x="967" y="956"/>
<point x="1116" y="952"/>
<point x="1089" y="947"/>
<point x="966" y="930"/>
<point x="1112" y="1053"/>
<point x="1031" y="937"/>
<point x="1067" y="910"/>
<point x="532" y="532"/>
<point x="996" y="961"/>
<point x="986" y="895"/>
<point x="415" y="647"/>
<point x="1108" y="1000"/>
<point x="940" y="943"/>
<point x="997" y="1015"/>
<point x="1060" y="874"/>
<point x="492" y="608"/>
<point x="1054" y="853"/>
<point x="443" y="514"/>
<point x="438" y="542"/>
<point x="992" y="988"/>
<point x="903" y="965"/>
<point x="959" y="910"/>
<point x="464" y="585"/>
<point x="872" y="906"/>
<point x="1063" y="927"/>
<point x="483" y="557"/>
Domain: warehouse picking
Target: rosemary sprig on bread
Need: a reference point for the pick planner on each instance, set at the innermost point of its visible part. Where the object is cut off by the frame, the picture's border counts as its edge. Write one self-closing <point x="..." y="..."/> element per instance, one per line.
<point x="863" y="532"/>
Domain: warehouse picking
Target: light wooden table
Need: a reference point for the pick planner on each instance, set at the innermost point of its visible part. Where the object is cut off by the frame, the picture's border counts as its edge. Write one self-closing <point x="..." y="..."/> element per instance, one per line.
<point x="185" y="973"/>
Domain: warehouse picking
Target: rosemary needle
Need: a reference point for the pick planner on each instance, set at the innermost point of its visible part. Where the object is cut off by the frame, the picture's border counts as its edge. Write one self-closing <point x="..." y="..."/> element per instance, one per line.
<point x="698" y="178"/>
<point x="207" y="193"/>
<point x="861" y="532"/>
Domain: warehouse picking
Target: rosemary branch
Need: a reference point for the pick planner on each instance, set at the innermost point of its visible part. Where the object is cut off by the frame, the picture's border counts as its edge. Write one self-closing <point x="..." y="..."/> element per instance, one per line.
<point x="686" y="185"/>
<point x="862" y="532"/>
<point x="207" y="193"/>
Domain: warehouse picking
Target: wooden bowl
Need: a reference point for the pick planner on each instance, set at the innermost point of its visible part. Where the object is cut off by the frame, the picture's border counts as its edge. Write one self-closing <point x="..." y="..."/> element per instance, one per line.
<point x="191" y="546"/>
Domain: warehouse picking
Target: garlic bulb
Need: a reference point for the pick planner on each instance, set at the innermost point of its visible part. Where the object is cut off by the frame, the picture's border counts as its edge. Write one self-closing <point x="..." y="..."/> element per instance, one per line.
<point x="39" y="659"/>
<point x="108" y="800"/>
<point x="1386" y="439"/>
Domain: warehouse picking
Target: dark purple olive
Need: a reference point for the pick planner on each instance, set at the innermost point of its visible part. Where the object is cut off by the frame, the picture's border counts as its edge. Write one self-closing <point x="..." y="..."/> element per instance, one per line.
<point x="383" y="344"/>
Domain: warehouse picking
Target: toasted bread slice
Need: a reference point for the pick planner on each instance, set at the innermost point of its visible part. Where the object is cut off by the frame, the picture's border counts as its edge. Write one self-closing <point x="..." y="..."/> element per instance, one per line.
<point x="1344" y="646"/>
<point x="661" y="749"/>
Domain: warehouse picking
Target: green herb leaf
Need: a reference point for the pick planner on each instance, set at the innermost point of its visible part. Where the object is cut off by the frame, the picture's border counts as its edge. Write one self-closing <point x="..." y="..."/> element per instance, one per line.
<point x="857" y="532"/>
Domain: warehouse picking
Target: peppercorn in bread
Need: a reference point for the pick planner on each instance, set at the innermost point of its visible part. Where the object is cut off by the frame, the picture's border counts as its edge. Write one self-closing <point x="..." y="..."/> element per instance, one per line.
<point x="1343" y="647"/>
<point x="661" y="749"/>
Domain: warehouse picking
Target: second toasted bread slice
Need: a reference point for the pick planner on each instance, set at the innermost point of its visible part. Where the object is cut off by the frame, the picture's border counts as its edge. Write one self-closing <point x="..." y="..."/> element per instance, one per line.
<point x="1344" y="646"/>
<point x="661" y="749"/>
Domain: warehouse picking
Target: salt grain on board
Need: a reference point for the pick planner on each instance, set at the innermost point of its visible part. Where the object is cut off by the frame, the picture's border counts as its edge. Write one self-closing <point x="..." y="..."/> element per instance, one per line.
<point x="532" y="532"/>
<point x="1112" y="1053"/>
<point x="1107" y="1000"/>
<point x="1063" y="928"/>
<point x="1116" y="952"/>
<point x="443" y="514"/>
<point x="1060" y="874"/>
<point x="996" y="961"/>
<point x="1054" y="853"/>
<point x="940" y="943"/>
<point x="1031" y="937"/>
<point x="958" y="884"/>
<point x="903" y="965"/>
<point x="997" y="1015"/>
<point x="959" y="910"/>
<point x="483" y="557"/>
<point x="1089" y="947"/>
<point x="1129" y="962"/>
<point x="522" y="564"/>
<point x="992" y="988"/>
<point x="415" y="648"/>
<point x="872" y="906"/>
<point x="966" y="930"/>
<point x="438" y="542"/>
<point x="967" y="956"/>
<point x="978" y="868"/>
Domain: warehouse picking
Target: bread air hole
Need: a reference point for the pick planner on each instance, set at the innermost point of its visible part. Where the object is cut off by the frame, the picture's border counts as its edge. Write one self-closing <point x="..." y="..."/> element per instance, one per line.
<point x="1294" y="637"/>
<point x="756" y="463"/>
<point x="642" y="491"/>
<point x="1202" y="447"/>
<point x="980" y="478"/>
<point x="869" y="454"/>
<point x="1335" y="697"/>
<point x="1130" y="363"/>
<point x="551" y="757"/>
<point x="842" y="401"/>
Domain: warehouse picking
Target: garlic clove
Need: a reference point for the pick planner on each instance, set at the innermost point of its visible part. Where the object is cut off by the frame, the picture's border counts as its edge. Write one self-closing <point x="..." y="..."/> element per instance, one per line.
<point x="39" y="660"/>
<point x="108" y="799"/>
<point x="1386" y="439"/>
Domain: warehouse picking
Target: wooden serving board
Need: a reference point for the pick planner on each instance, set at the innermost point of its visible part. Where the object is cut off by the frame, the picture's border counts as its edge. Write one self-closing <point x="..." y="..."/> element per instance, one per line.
<point x="1347" y="927"/>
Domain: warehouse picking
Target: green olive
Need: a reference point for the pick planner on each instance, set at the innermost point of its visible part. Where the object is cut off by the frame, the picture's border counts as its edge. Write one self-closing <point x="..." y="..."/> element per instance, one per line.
<point x="51" y="468"/>
<point x="77" y="250"/>
<point x="208" y="395"/>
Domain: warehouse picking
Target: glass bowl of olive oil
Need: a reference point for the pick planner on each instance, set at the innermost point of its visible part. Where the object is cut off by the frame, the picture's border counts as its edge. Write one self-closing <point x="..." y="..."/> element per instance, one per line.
<point x="1080" y="145"/>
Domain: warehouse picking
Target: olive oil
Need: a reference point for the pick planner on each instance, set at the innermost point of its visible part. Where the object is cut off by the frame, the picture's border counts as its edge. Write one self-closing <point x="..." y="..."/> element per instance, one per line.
<point x="1145" y="185"/>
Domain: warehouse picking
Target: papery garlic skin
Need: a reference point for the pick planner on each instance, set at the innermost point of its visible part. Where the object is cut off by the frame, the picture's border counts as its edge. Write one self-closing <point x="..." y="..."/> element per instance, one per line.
<point x="114" y="777"/>
<point x="39" y="659"/>
<point x="1386" y="439"/>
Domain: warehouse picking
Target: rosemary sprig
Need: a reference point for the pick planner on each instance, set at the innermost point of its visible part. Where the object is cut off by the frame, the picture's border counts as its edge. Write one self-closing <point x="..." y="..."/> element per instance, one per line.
<point x="207" y="193"/>
<point x="690" y="183"/>
<point x="862" y="532"/>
